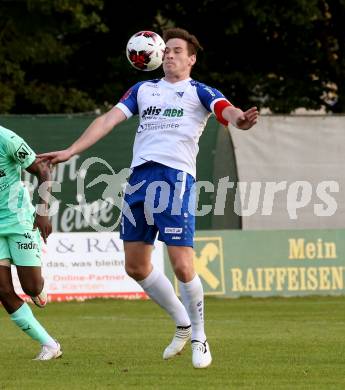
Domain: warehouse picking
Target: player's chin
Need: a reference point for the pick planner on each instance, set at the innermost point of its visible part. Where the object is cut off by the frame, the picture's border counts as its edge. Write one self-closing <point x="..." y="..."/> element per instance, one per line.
<point x="169" y="69"/>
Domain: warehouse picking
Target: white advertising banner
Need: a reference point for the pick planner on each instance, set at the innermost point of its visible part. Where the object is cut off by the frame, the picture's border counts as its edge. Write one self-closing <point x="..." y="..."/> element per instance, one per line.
<point x="88" y="265"/>
<point x="291" y="170"/>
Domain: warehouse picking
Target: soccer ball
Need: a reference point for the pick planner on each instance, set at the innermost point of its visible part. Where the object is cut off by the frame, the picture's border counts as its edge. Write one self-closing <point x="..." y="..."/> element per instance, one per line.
<point x="145" y="50"/>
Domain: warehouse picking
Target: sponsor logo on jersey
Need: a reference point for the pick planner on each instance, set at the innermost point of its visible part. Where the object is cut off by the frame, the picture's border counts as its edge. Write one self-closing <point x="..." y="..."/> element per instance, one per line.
<point x="153" y="111"/>
<point x="30" y="245"/>
<point x="154" y="126"/>
<point x="173" y="230"/>
<point x="173" y="112"/>
<point x="22" y="152"/>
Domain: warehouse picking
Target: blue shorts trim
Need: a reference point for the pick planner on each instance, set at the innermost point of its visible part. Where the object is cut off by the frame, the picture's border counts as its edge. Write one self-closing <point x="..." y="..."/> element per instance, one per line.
<point x="159" y="199"/>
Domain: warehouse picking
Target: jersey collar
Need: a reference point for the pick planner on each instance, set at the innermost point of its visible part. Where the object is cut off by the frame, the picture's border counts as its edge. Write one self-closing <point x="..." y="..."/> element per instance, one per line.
<point x="178" y="83"/>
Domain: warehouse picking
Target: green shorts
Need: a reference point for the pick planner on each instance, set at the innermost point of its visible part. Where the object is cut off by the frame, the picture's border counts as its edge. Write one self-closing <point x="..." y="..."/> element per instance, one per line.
<point x="21" y="247"/>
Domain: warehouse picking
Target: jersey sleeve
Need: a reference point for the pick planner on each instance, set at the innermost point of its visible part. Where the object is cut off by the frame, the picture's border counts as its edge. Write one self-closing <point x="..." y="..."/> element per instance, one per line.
<point x="213" y="101"/>
<point x="19" y="151"/>
<point x="128" y="104"/>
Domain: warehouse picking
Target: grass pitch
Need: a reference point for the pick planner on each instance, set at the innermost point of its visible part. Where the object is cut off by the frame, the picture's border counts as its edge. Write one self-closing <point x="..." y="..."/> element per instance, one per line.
<point x="295" y="343"/>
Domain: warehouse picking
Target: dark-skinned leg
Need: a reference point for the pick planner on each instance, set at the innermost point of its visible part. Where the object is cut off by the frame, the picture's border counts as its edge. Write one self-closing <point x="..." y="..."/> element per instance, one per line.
<point x="8" y="296"/>
<point x="32" y="284"/>
<point x="20" y="312"/>
<point x="30" y="279"/>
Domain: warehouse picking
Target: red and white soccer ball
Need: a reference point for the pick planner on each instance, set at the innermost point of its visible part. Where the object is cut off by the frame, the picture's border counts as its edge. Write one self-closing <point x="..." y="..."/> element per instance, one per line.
<point x="145" y="50"/>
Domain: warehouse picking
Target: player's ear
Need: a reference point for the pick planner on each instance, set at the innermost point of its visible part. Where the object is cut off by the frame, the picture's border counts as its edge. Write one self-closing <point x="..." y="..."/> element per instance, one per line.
<point x="192" y="59"/>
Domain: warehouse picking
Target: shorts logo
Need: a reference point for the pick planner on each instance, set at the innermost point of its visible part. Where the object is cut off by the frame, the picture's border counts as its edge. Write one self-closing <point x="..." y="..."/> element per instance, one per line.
<point x="22" y="152"/>
<point x="171" y="230"/>
<point x="30" y="245"/>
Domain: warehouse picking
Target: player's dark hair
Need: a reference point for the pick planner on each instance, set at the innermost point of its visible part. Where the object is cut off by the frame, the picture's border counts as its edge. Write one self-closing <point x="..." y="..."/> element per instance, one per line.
<point x="192" y="41"/>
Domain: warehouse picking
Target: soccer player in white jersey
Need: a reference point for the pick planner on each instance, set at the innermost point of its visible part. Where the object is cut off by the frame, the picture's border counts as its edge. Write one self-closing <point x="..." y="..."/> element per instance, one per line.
<point x="173" y="113"/>
<point x="20" y="241"/>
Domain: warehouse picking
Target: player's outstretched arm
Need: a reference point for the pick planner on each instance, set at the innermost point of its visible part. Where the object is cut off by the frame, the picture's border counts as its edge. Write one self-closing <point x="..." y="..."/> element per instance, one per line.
<point x="242" y="120"/>
<point x="98" y="129"/>
<point x="42" y="170"/>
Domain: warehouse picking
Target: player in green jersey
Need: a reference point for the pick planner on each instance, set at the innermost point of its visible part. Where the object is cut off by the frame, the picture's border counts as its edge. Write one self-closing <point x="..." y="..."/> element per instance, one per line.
<point x="20" y="241"/>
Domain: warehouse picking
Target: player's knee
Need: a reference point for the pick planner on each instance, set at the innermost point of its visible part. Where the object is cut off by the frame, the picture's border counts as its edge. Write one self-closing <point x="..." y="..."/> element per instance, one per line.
<point x="32" y="289"/>
<point x="183" y="271"/>
<point x="134" y="272"/>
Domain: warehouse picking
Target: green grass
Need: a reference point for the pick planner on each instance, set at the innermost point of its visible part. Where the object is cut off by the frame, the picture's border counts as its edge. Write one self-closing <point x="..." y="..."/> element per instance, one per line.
<point x="295" y="343"/>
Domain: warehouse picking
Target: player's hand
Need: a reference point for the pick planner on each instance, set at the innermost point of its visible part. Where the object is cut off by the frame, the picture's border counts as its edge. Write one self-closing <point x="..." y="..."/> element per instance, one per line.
<point x="55" y="157"/>
<point x="248" y="119"/>
<point x="44" y="226"/>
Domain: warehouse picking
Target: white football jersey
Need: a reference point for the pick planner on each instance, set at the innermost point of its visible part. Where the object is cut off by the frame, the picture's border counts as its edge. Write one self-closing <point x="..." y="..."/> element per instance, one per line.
<point x="172" y="119"/>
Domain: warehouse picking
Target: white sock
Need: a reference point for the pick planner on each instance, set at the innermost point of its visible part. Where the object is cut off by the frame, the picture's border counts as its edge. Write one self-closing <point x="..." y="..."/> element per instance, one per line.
<point x="158" y="287"/>
<point x="192" y="295"/>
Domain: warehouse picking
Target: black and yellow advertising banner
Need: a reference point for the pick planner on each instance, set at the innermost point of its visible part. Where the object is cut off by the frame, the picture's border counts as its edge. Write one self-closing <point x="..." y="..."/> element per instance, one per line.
<point x="234" y="263"/>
